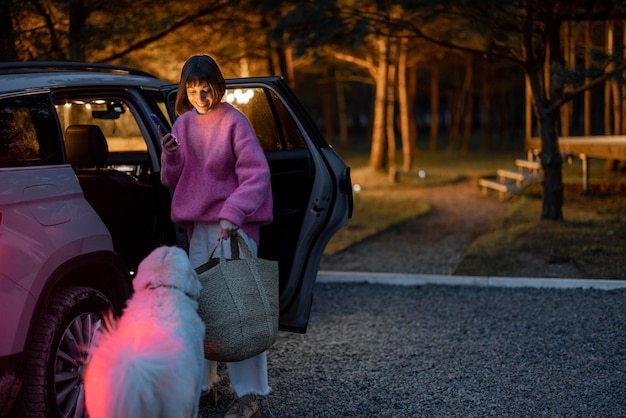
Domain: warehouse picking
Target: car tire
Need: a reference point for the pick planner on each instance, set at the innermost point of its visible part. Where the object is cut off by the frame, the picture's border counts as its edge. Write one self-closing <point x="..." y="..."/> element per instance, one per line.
<point x="53" y="384"/>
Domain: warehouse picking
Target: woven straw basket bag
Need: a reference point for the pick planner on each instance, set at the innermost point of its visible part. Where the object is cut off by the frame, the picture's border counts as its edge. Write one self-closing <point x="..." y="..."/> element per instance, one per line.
<point x="238" y="303"/>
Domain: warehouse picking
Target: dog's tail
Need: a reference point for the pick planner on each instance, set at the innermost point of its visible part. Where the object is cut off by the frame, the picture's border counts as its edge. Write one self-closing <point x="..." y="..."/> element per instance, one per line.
<point x="138" y="369"/>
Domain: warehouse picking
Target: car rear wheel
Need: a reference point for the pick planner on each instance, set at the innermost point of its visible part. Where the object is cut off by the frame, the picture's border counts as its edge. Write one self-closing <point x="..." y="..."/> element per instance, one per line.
<point x="53" y="383"/>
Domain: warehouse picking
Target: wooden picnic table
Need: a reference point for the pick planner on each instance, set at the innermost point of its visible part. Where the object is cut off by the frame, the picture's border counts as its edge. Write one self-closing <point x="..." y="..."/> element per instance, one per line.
<point x="611" y="147"/>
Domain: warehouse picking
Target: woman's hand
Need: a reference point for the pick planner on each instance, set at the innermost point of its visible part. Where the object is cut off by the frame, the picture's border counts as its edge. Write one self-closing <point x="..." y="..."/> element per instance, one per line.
<point x="227" y="229"/>
<point x="169" y="142"/>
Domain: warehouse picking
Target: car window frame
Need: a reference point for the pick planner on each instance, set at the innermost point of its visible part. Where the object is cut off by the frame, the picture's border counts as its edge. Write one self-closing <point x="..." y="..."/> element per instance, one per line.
<point x="49" y="135"/>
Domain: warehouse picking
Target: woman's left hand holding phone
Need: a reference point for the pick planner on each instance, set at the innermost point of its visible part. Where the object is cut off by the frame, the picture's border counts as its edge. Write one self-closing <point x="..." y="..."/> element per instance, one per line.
<point x="168" y="141"/>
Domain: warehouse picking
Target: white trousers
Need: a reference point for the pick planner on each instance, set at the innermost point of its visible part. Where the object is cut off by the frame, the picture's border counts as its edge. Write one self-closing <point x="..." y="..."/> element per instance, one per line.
<point x="248" y="376"/>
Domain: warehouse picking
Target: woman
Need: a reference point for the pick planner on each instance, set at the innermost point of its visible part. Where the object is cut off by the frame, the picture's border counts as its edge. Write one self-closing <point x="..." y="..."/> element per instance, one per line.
<point x="221" y="181"/>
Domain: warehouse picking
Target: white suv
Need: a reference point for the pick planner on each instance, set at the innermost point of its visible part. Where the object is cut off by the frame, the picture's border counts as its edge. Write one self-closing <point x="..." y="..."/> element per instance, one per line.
<point x="81" y="204"/>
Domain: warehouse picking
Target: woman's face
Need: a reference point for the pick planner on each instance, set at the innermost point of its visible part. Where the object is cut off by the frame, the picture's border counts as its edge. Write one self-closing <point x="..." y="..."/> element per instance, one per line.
<point x="200" y="97"/>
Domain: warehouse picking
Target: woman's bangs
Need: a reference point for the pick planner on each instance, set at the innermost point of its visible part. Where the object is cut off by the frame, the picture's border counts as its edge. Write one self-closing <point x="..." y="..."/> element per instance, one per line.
<point x="194" y="80"/>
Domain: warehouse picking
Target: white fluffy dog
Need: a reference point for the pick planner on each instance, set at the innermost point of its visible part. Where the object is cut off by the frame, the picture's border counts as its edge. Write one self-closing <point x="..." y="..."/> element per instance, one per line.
<point x="150" y="362"/>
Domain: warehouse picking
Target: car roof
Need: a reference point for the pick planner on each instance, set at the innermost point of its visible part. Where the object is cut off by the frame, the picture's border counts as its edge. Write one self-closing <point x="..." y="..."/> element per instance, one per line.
<point x="24" y="76"/>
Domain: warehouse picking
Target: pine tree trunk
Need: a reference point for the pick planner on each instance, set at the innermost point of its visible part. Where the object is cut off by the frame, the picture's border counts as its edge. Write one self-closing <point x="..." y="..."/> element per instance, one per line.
<point x="390" y="126"/>
<point x="411" y="94"/>
<point x="342" y="114"/>
<point x="456" y="107"/>
<point x="377" y="153"/>
<point x="461" y="108"/>
<point x="404" y="108"/>
<point x="78" y="20"/>
<point x="487" y="110"/>
<point x="468" y="110"/>
<point x="552" y="164"/>
<point x="434" y="107"/>
<point x="328" y="97"/>
<point x="7" y="34"/>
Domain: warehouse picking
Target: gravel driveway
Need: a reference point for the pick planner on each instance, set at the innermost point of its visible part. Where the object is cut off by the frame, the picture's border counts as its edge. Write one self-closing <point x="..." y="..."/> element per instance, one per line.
<point x="375" y="350"/>
<point x="446" y="351"/>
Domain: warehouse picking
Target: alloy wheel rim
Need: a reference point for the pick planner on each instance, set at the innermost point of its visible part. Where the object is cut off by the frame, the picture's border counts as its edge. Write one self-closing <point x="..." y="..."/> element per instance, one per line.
<point x="72" y="355"/>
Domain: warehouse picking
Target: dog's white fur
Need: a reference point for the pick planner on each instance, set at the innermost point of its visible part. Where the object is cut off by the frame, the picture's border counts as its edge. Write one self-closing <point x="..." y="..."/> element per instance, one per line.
<point x="149" y="363"/>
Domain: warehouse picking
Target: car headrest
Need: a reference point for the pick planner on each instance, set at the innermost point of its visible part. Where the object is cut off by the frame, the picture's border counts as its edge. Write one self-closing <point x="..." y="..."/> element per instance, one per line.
<point x="86" y="145"/>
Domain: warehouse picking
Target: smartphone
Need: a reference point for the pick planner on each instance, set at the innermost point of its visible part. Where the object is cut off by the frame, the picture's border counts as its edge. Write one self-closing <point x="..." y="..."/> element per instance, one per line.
<point x="159" y="123"/>
<point x="164" y="128"/>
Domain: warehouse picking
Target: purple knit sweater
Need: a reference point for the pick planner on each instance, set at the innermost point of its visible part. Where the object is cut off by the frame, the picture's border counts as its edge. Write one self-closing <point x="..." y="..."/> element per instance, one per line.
<point x="219" y="171"/>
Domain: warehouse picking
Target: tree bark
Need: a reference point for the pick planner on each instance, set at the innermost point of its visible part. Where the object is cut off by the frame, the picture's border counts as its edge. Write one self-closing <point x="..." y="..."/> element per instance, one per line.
<point x="487" y="110"/>
<point x="587" y="95"/>
<point x="328" y="97"/>
<point x="461" y="106"/>
<point x="390" y="112"/>
<point x="7" y="36"/>
<point x="78" y="20"/>
<point x="411" y="94"/>
<point x="286" y="65"/>
<point x="377" y="154"/>
<point x="548" y="113"/>
<point x="468" y="111"/>
<point x="404" y="107"/>
<point x="552" y="164"/>
<point x="434" y="107"/>
<point x="504" y="128"/>
<point x="269" y="56"/>
<point x="342" y="114"/>
<point x="616" y="88"/>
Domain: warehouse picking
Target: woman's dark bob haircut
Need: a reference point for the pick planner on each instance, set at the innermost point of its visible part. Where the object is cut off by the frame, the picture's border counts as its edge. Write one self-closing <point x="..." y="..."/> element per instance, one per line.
<point x="198" y="69"/>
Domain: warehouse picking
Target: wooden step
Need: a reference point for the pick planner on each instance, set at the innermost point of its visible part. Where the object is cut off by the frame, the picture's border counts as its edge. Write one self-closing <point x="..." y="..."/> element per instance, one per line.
<point x="518" y="176"/>
<point x="504" y="189"/>
<point x="534" y="166"/>
<point x="494" y="184"/>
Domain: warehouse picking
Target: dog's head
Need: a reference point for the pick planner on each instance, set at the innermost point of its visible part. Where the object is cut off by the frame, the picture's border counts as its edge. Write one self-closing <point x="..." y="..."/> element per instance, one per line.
<point x="167" y="267"/>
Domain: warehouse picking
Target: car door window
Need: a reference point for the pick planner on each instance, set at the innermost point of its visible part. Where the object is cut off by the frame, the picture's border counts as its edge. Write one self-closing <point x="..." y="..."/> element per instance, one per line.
<point x="272" y="123"/>
<point x="115" y="117"/>
<point x="29" y="134"/>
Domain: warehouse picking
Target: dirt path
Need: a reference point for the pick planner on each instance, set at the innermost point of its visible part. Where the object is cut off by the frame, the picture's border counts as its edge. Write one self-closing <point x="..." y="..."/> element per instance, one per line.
<point x="430" y="244"/>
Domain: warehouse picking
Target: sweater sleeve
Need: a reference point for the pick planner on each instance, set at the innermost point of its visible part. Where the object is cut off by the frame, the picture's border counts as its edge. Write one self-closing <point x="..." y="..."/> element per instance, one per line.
<point x="172" y="164"/>
<point x="253" y="192"/>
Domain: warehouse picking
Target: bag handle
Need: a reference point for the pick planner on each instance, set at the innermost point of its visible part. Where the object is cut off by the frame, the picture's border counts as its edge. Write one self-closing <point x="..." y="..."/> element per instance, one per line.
<point x="236" y="242"/>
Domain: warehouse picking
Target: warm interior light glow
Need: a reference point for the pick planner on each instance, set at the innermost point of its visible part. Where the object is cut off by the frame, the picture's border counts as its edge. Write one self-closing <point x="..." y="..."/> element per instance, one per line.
<point x="239" y="96"/>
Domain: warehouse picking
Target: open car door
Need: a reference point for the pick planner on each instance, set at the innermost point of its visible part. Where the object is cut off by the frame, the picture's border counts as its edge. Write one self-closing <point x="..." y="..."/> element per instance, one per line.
<point x="311" y="188"/>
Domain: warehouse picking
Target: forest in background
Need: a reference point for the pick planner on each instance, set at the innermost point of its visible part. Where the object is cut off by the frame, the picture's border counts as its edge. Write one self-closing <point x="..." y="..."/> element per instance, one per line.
<point x="249" y="38"/>
<point x="455" y="75"/>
